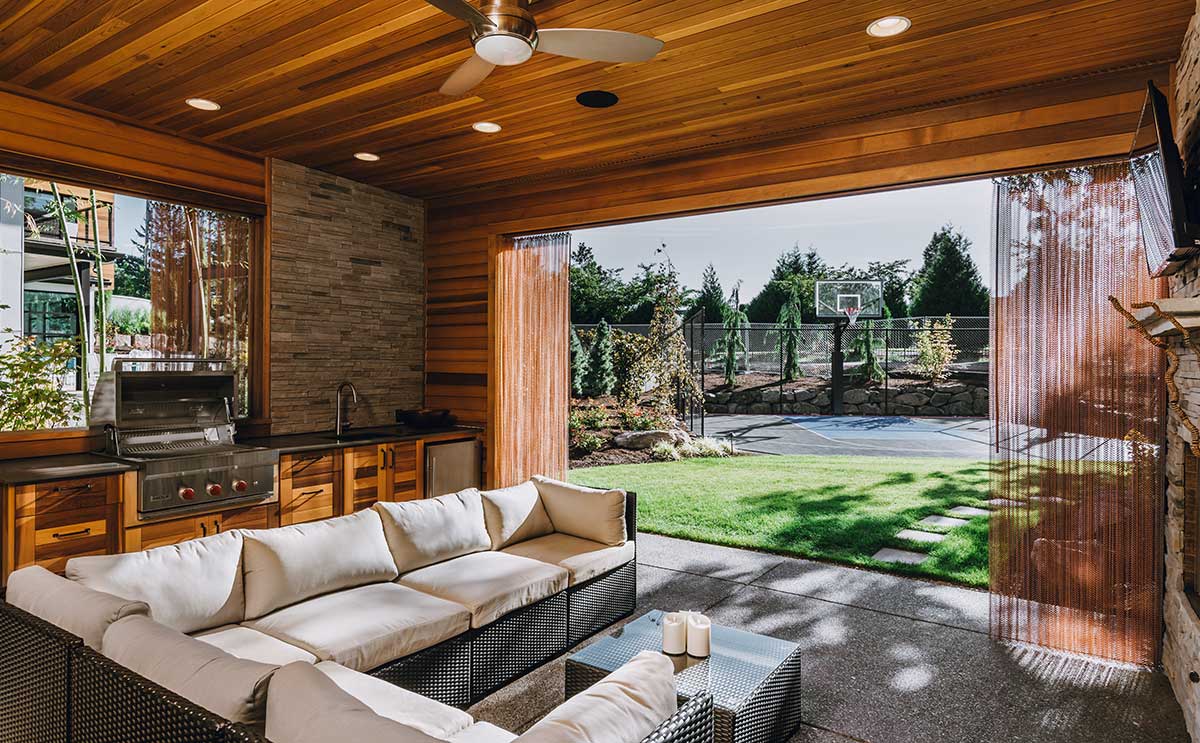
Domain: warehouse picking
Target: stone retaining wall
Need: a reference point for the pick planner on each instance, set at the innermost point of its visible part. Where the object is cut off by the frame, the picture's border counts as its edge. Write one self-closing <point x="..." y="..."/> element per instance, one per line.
<point x="946" y="399"/>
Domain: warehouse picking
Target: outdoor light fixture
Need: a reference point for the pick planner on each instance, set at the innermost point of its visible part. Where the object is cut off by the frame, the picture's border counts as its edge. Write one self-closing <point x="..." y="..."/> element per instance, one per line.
<point x="503" y="50"/>
<point x="487" y="127"/>
<point x="203" y="104"/>
<point x="367" y="157"/>
<point x="893" y="25"/>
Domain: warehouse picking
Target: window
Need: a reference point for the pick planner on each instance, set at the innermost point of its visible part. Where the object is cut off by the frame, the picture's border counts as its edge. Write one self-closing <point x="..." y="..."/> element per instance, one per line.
<point x="147" y="279"/>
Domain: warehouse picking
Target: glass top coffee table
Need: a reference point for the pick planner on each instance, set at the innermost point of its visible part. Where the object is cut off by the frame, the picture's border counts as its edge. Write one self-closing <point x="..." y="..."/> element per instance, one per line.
<point x="754" y="680"/>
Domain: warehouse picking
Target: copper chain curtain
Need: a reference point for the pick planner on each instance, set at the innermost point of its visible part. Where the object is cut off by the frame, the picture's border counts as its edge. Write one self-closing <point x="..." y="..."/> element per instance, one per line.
<point x="532" y="375"/>
<point x="1078" y="420"/>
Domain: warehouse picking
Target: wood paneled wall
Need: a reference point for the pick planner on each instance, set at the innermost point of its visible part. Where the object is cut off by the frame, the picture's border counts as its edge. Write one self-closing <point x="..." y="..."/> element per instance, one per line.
<point x="44" y="138"/>
<point x="1070" y="121"/>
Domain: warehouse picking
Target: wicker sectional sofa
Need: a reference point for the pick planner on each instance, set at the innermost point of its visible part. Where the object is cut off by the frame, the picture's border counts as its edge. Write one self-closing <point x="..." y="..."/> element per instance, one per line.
<point x="445" y="599"/>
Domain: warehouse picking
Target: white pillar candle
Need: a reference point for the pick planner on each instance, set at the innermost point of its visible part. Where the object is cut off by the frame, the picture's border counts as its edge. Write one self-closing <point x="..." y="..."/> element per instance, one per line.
<point x="699" y="636"/>
<point x="674" y="628"/>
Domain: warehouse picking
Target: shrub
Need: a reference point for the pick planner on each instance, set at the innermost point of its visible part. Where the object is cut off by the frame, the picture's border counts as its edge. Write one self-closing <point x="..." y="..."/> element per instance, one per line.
<point x="664" y="451"/>
<point x="600" y="378"/>
<point x="935" y="350"/>
<point x="130" y="321"/>
<point x="640" y="419"/>
<point x="710" y="447"/>
<point x="31" y="389"/>
<point x="630" y="356"/>
<point x="579" y="364"/>
<point x="589" y="442"/>
<point x="731" y="343"/>
<point x="588" y="419"/>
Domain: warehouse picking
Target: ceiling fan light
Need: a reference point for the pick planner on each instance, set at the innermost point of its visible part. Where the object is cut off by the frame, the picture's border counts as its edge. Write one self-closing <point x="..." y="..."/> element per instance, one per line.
<point x="892" y="25"/>
<point x="503" y="50"/>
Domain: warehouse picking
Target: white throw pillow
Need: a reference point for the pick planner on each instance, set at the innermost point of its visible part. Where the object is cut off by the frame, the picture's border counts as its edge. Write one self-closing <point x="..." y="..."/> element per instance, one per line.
<point x="587" y="513"/>
<point x="287" y="565"/>
<point x="233" y="688"/>
<point x="78" y="609"/>
<point x="515" y="514"/>
<point x="423" y="532"/>
<point x="190" y="586"/>
<point x="623" y="707"/>
<point x="306" y="706"/>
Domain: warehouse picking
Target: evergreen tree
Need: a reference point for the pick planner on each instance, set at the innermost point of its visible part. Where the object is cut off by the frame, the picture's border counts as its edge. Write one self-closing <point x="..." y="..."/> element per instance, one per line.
<point x="732" y="340"/>
<point x="600" y="378"/>
<point x="596" y="292"/>
<point x="788" y="345"/>
<point x="579" y="364"/>
<point x="949" y="282"/>
<point x="896" y="280"/>
<point x="712" y="296"/>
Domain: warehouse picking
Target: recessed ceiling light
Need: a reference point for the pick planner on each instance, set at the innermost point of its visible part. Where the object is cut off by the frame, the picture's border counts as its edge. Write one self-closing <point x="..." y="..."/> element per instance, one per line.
<point x="203" y="104"/>
<point x="367" y="157"/>
<point x="487" y="127"/>
<point x="893" y="25"/>
<point x="597" y="98"/>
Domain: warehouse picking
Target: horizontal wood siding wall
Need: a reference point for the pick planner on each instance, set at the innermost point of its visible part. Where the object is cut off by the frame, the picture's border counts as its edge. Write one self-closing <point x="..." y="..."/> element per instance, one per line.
<point x="42" y="138"/>
<point x="1018" y="130"/>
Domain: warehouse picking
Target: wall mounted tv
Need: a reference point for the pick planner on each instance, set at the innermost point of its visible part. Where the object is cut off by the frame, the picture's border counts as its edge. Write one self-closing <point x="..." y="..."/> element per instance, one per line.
<point x="1169" y="229"/>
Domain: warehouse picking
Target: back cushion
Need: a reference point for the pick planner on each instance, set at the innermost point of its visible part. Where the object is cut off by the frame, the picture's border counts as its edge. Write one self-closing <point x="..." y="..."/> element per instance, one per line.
<point x="287" y="565"/>
<point x="515" y="514"/>
<point x="306" y="706"/>
<point x="69" y="605"/>
<point x="233" y="688"/>
<point x="190" y="586"/>
<point x="422" y="532"/>
<point x="624" y="707"/>
<point x="587" y="513"/>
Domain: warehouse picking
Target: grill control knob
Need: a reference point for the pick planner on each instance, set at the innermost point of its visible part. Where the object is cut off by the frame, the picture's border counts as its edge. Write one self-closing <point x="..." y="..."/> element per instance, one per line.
<point x="214" y="489"/>
<point x="240" y="485"/>
<point x="187" y="493"/>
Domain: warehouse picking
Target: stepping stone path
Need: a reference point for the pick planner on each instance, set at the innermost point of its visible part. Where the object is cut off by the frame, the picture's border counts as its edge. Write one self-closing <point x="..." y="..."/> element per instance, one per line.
<point x="959" y="516"/>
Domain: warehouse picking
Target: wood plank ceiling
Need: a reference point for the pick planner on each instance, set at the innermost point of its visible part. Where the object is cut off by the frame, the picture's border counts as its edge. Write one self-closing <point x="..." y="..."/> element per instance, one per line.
<point x="314" y="82"/>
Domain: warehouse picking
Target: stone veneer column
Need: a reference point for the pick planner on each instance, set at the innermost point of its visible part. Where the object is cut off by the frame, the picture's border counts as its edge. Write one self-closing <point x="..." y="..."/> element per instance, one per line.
<point x="347" y="299"/>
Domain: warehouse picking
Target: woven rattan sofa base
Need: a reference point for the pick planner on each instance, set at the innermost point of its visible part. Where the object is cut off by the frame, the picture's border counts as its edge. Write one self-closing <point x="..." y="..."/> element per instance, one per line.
<point x="597" y="604"/>
<point x="693" y="723"/>
<point x="442" y="672"/>
<point x="35" y="677"/>
<point x="517" y="643"/>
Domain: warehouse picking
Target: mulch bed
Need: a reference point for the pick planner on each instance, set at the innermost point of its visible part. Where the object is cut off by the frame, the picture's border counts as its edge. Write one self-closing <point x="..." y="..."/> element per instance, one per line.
<point x="609" y="456"/>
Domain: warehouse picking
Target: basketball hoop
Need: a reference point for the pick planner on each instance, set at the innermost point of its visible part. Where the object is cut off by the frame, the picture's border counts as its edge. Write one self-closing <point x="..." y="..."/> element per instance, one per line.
<point x="852" y="314"/>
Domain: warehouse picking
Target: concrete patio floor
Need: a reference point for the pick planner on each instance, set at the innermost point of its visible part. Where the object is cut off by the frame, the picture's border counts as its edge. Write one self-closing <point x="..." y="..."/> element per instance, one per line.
<point x="887" y="659"/>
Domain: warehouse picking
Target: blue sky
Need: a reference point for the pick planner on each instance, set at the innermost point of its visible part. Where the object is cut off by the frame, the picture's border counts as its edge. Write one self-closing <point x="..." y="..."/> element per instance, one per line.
<point x="744" y="244"/>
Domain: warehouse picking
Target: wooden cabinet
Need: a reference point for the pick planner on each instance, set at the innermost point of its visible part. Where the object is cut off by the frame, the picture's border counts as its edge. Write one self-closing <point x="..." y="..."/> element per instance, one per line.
<point x="174" y="531"/>
<point x="363" y="480"/>
<point x="309" y="486"/>
<point x="406" y="470"/>
<point x="49" y="523"/>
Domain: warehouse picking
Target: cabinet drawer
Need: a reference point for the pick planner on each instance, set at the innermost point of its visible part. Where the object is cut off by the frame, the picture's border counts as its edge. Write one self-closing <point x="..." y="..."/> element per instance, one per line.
<point x="301" y="502"/>
<point x="70" y="495"/>
<point x="308" y="464"/>
<point x="162" y="534"/>
<point x="254" y="517"/>
<point x="59" y="536"/>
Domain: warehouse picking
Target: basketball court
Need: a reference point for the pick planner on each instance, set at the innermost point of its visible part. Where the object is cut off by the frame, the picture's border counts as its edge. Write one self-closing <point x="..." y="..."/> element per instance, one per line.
<point x="882" y="436"/>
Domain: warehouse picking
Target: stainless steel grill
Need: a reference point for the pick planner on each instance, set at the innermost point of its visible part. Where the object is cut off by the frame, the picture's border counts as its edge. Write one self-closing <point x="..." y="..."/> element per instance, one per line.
<point x="172" y="417"/>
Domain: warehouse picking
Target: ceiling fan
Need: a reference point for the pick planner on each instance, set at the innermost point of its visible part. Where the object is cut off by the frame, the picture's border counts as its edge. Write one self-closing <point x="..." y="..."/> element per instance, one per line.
<point x="504" y="33"/>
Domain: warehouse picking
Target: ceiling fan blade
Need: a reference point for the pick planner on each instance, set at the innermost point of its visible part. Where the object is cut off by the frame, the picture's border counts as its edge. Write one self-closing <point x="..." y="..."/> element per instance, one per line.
<point x="467" y="76"/>
<point x="464" y="11"/>
<point x="598" y="45"/>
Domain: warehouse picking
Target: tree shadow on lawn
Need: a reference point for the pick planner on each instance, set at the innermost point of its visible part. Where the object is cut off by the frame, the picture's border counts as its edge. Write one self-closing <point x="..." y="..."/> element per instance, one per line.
<point x="851" y="523"/>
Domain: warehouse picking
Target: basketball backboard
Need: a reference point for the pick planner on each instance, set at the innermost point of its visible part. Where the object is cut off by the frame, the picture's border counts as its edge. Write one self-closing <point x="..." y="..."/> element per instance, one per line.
<point x="861" y="298"/>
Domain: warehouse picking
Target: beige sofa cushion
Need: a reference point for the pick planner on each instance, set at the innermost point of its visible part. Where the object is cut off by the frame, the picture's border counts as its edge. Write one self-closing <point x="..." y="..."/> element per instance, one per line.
<point x="514" y="514"/>
<point x="248" y="644"/>
<point x="489" y="584"/>
<point x="422" y="532"/>
<point x="583" y="559"/>
<point x="623" y="707"/>
<point x="69" y="605"/>
<point x="233" y="688"/>
<point x="363" y="628"/>
<point x="306" y="706"/>
<point x="587" y="513"/>
<point x="292" y="563"/>
<point x="189" y="586"/>
<point x="403" y="706"/>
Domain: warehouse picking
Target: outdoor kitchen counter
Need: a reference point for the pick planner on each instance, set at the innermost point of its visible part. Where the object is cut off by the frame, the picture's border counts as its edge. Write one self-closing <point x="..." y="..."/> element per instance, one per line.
<point x="299" y="442"/>
<point x="64" y="467"/>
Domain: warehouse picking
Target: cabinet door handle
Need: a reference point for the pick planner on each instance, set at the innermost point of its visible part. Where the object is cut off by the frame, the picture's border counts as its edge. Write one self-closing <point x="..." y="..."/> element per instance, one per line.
<point x="216" y="527"/>
<point x="68" y="534"/>
<point x="311" y="492"/>
<point x="203" y="529"/>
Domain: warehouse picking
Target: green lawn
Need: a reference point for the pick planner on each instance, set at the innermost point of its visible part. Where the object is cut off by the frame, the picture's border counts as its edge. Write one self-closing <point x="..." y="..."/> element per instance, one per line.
<point x="831" y="508"/>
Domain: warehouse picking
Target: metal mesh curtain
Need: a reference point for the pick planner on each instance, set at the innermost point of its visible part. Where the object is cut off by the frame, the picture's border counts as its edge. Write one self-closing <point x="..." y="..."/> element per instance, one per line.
<point x="1078" y="418"/>
<point x="531" y="392"/>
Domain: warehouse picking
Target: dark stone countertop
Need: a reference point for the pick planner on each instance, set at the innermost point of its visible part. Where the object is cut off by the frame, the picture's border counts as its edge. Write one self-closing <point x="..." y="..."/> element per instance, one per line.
<point x="62" y="467"/>
<point x="299" y="442"/>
